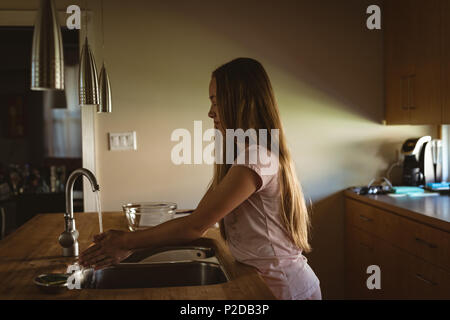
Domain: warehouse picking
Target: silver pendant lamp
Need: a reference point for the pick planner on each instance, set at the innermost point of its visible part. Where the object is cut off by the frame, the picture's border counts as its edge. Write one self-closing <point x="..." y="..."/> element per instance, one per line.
<point x="105" y="102"/>
<point x="47" y="58"/>
<point x="88" y="80"/>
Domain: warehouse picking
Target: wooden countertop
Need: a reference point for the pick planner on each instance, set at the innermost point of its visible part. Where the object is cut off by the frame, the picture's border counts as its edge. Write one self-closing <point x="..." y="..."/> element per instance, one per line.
<point x="33" y="249"/>
<point x="431" y="210"/>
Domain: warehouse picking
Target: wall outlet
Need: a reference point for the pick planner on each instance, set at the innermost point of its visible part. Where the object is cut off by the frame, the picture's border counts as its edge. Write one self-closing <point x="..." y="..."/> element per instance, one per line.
<point x="122" y="141"/>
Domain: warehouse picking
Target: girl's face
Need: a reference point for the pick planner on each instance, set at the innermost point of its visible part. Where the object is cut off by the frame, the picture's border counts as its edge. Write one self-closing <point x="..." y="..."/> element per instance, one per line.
<point x="213" y="111"/>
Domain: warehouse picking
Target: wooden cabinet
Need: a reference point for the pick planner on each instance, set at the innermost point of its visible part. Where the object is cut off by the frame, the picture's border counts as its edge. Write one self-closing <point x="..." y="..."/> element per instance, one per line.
<point x="398" y="46"/>
<point x="425" y="242"/>
<point x="418" y="279"/>
<point x="413" y="41"/>
<point x="362" y="251"/>
<point x="414" y="259"/>
<point x="445" y="18"/>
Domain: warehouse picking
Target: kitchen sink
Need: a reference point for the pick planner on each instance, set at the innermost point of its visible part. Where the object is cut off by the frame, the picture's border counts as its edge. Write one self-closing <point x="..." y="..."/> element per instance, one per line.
<point x="171" y="254"/>
<point x="154" y="275"/>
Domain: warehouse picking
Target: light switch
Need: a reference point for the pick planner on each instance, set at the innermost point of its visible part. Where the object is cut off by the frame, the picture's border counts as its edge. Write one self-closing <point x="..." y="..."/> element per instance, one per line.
<point x="122" y="141"/>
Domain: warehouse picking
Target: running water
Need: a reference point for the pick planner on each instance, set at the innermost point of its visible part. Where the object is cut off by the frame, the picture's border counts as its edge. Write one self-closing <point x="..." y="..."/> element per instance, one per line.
<point x="99" y="210"/>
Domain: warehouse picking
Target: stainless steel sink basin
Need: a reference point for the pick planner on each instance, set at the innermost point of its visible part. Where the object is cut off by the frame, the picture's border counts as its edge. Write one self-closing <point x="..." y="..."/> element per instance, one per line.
<point x="171" y="254"/>
<point x="175" y="274"/>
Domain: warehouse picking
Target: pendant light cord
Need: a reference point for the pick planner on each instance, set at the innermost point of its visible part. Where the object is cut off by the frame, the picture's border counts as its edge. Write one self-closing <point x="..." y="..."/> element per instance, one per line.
<point x="86" y="20"/>
<point x="103" y="32"/>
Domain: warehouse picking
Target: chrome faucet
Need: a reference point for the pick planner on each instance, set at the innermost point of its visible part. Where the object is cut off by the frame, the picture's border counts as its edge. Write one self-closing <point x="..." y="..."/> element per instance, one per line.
<point x="69" y="238"/>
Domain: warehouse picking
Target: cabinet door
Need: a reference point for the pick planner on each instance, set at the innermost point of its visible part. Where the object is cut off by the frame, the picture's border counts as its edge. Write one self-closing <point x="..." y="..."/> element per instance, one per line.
<point x="425" y="86"/>
<point x="445" y="18"/>
<point x="418" y="279"/>
<point x="359" y="254"/>
<point x="398" y="61"/>
<point x="373" y="220"/>
<point x="413" y="61"/>
<point x="364" y="250"/>
<point x="403" y="276"/>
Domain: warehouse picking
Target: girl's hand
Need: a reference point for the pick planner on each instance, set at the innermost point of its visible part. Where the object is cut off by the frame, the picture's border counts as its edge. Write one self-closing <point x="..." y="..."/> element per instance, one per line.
<point x="108" y="249"/>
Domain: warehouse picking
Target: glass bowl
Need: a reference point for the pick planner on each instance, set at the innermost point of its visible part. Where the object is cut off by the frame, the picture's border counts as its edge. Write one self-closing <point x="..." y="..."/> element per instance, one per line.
<point x="148" y="214"/>
<point x="52" y="282"/>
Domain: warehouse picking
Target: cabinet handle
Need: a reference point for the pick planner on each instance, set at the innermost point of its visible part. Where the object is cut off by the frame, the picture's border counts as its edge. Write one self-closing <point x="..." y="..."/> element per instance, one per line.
<point x="420" y="277"/>
<point x="364" y="218"/>
<point x="430" y="245"/>
<point x="411" y="90"/>
<point x="405" y="93"/>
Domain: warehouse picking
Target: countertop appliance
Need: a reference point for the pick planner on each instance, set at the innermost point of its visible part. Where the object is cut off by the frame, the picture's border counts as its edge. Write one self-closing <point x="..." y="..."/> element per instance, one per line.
<point x="422" y="161"/>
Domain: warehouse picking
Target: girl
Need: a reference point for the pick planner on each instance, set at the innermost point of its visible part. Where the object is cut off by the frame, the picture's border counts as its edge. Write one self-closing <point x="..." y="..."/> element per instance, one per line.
<point x="262" y="213"/>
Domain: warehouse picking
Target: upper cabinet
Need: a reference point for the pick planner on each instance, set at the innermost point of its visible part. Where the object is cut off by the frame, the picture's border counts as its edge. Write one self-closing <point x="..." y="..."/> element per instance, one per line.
<point x="445" y="18"/>
<point x="414" y="55"/>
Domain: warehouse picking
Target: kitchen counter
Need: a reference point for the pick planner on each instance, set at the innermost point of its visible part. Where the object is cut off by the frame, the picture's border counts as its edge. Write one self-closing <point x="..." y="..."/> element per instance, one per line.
<point x="33" y="249"/>
<point x="430" y="210"/>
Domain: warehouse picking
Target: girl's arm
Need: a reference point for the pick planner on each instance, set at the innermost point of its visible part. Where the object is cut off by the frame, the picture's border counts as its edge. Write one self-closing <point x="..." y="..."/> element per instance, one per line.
<point x="237" y="186"/>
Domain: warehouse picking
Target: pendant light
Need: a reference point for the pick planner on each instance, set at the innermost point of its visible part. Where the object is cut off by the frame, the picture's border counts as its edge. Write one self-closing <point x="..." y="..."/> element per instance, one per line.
<point x="105" y="102"/>
<point x="88" y="80"/>
<point x="87" y="76"/>
<point x="47" y="58"/>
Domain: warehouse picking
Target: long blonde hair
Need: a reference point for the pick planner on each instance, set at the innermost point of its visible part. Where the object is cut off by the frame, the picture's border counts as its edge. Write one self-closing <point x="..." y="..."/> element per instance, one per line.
<point x="245" y="100"/>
